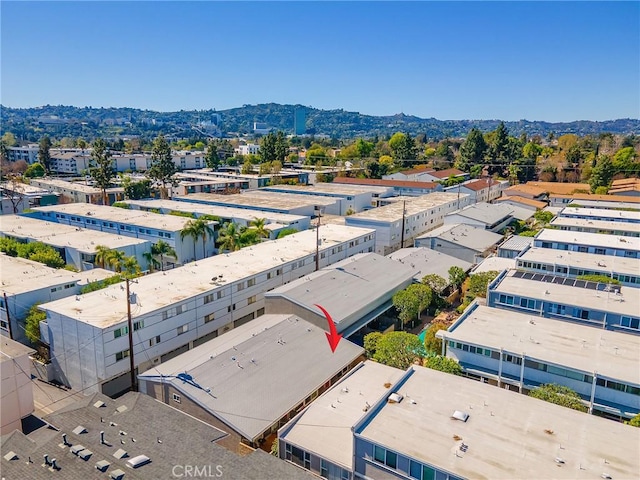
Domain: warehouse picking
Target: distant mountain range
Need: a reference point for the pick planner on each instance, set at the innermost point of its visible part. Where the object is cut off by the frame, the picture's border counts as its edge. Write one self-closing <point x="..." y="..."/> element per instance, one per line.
<point x="87" y="122"/>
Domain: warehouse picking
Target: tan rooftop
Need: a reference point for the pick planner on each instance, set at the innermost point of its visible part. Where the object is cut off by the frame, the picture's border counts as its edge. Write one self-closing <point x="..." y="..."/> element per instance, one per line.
<point x="414" y="206"/>
<point x="561" y="188"/>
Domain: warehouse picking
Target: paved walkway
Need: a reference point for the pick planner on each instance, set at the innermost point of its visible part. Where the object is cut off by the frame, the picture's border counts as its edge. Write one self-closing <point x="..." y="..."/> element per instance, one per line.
<point x="48" y="398"/>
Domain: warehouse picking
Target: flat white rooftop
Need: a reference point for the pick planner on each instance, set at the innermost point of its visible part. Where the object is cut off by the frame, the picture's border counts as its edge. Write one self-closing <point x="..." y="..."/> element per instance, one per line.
<point x="428" y="261"/>
<point x="20" y="275"/>
<point x="627" y="302"/>
<point x="324" y="427"/>
<point x="599" y="224"/>
<point x="281" y="201"/>
<point x="509" y="436"/>
<point x="590" y="349"/>
<point x="414" y="206"/>
<point x="121" y="215"/>
<point x="260" y="373"/>
<point x="61" y="235"/>
<point x="218" y="210"/>
<point x="585" y="261"/>
<point x="348" y="288"/>
<point x="494" y="263"/>
<point x="74" y="186"/>
<point x="329" y="188"/>
<point x="600" y="212"/>
<point x="158" y="290"/>
<point x="589" y="239"/>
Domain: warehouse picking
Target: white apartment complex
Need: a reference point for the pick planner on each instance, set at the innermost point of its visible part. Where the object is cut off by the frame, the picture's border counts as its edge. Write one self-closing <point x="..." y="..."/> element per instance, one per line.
<point x="176" y="310"/>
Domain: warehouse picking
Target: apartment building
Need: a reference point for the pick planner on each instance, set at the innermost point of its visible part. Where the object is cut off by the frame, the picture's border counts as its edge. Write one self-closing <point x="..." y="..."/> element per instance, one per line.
<point x="520" y="351"/>
<point x="416" y="216"/>
<point x="17" y="390"/>
<point x="493" y="218"/>
<point x="481" y="189"/>
<point x="393" y="187"/>
<point x="26" y="283"/>
<point x="614" y="245"/>
<point x="601" y="214"/>
<point x="275" y="222"/>
<point x="131" y="223"/>
<point x="76" y="246"/>
<point x="78" y="192"/>
<point x="465" y="242"/>
<point x="608" y="227"/>
<point x="176" y="310"/>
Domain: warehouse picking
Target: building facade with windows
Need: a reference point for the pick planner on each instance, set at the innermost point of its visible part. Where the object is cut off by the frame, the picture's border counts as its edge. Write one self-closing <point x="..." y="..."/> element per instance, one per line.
<point x="521" y="351"/>
<point x="131" y="223"/>
<point x="26" y="283"/>
<point x="416" y="215"/>
<point x="612" y="245"/>
<point x="606" y="306"/>
<point x="78" y="192"/>
<point x="176" y="310"/>
<point x="607" y="227"/>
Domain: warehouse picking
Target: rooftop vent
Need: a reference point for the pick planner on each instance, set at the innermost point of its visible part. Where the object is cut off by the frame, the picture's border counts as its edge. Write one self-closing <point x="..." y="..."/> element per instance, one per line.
<point x="120" y="453"/>
<point x="99" y="404"/>
<point x="395" y="398"/>
<point x="76" y="449"/>
<point x="462" y="416"/>
<point x="122" y="408"/>
<point x="79" y="430"/>
<point x="138" y="461"/>
<point x="102" y="465"/>
<point x="11" y="456"/>
<point x="85" y="454"/>
<point x="117" y="474"/>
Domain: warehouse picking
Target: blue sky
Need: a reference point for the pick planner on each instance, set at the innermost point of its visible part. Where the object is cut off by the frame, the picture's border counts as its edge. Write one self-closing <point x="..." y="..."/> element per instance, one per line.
<point x="549" y="61"/>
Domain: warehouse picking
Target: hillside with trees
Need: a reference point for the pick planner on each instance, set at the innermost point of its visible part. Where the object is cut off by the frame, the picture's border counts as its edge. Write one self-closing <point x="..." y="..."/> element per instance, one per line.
<point x="30" y="124"/>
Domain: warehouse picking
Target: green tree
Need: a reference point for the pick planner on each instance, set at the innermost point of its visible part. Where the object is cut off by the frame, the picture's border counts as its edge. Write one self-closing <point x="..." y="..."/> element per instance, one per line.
<point x="229" y="237"/>
<point x="625" y="161"/>
<point x="35" y="171"/>
<point x="44" y="155"/>
<point x="260" y="226"/>
<point x="599" y="278"/>
<point x="48" y="256"/>
<point x="281" y="147"/>
<point x="403" y="147"/>
<point x="101" y="169"/>
<point x="247" y="167"/>
<point x="131" y="267"/>
<point x="135" y="190"/>
<point x="286" y="232"/>
<point x="247" y="237"/>
<point x="532" y="150"/>
<point x="560" y="395"/>
<point x="431" y="343"/>
<point x="32" y="323"/>
<point x="163" y="249"/>
<point x="267" y="150"/>
<point x="152" y="262"/>
<point x="423" y="293"/>
<point x="9" y="139"/>
<point x="456" y="276"/>
<point x="197" y="228"/>
<point x="371" y="343"/>
<point x="116" y="260"/>
<point x="399" y="349"/>
<point x="543" y="216"/>
<point x="212" y="158"/>
<point x="497" y="154"/>
<point x="162" y="167"/>
<point x="103" y="256"/>
<point x="602" y="173"/>
<point x="478" y="283"/>
<point x="444" y="364"/>
<point x="407" y="304"/>
<point x="634" y="422"/>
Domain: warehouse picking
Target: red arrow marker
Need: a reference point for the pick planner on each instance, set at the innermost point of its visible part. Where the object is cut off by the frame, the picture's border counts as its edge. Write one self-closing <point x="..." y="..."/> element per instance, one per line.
<point x="333" y="337"/>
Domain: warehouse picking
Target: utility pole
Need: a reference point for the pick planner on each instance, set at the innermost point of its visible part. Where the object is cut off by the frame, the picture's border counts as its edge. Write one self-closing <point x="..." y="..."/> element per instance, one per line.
<point x="6" y="309"/>
<point x="134" y="386"/>
<point x="404" y="212"/>
<point x="318" y="240"/>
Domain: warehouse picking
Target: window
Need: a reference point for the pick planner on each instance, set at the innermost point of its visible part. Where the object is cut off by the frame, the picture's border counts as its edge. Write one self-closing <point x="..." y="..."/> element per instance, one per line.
<point x="176" y="398"/>
<point x="240" y="286"/>
<point x="630" y="322"/>
<point x="154" y="340"/>
<point x="138" y="325"/>
<point x="251" y="282"/>
<point x="122" y="354"/>
<point x="219" y="294"/>
<point x="120" y="331"/>
<point x="378" y="454"/>
<point x="180" y="309"/>
<point x="209" y="318"/>
<point x="506" y="299"/>
<point x="183" y="328"/>
<point x="208" y="298"/>
<point x="392" y="459"/>
<point x="4" y="324"/>
<point x="251" y="300"/>
<point x="279" y="271"/>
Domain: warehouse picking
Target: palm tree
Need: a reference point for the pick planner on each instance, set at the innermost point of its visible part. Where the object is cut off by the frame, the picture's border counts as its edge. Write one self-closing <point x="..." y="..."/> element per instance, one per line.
<point x="259" y="225"/>
<point x="228" y="237"/>
<point x="205" y="229"/>
<point x="116" y="260"/>
<point x="151" y="261"/>
<point x="248" y="236"/>
<point x="131" y="267"/>
<point x="103" y="255"/>
<point x="162" y="248"/>
<point x="191" y="229"/>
